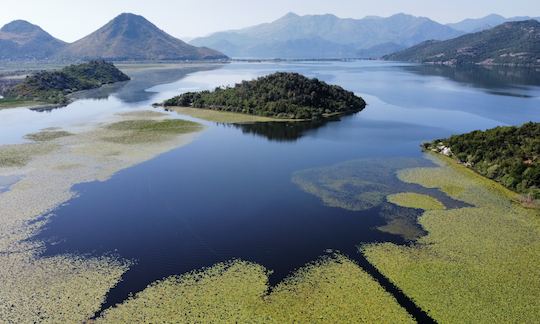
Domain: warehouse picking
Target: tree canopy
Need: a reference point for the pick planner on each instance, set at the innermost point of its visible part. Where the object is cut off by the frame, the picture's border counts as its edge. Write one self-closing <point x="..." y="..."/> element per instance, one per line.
<point x="53" y="86"/>
<point x="280" y="95"/>
<point x="509" y="155"/>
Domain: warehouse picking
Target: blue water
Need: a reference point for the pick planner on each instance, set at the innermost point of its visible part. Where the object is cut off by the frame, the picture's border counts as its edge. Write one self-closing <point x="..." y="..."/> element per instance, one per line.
<point x="229" y="194"/>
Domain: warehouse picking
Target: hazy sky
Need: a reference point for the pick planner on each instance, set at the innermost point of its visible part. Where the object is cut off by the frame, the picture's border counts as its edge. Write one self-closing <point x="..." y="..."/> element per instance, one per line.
<point x="72" y="19"/>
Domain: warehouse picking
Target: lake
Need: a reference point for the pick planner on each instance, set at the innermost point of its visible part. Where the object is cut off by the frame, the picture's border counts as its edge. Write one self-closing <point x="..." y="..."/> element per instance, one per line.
<point x="230" y="194"/>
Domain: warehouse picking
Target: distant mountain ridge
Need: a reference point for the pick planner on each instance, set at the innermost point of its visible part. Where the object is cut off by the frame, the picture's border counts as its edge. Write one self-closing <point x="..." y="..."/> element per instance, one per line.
<point x="512" y="43"/>
<point x="125" y="38"/>
<point x="22" y="40"/>
<point x="132" y="37"/>
<point x="326" y="36"/>
<point x="473" y="25"/>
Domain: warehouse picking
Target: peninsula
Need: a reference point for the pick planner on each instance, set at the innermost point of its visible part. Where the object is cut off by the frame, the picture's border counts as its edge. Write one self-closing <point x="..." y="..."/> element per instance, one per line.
<point x="280" y="95"/>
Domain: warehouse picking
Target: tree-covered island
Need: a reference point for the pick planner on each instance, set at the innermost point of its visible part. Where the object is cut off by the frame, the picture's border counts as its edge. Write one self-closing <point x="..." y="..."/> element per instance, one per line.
<point x="280" y="95"/>
<point x="53" y="87"/>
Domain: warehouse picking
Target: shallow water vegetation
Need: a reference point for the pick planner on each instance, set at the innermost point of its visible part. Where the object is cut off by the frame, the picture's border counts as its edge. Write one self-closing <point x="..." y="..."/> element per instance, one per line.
<point x="145" y="130"/>
<point x="476" y="264"/>
<point x="221" y="116"/>
<point x="62" y="289"/>
<point x="355" y="185"/>
<point x="334" y="289"/>
<point x="47" y="135"/>
<point x="415" y="200"/>
<point x="13" y="156"/>
<point x="16" y="103"/>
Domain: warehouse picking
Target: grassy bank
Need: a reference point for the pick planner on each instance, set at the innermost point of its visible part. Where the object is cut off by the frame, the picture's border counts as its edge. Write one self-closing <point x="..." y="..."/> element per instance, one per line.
<point x="221" y="116"/>
<point x="16" y="103"/>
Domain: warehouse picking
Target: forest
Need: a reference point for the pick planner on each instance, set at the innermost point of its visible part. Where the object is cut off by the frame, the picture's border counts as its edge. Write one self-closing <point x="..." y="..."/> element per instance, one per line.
<point x="280" y="95"/>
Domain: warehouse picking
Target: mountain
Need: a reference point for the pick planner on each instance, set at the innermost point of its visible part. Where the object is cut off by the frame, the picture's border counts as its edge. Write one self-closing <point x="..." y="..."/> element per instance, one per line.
<point x="326" y="36"/>
<point x="479" y="24"/>
<point x="21" y="40"/>
<point x="512" y="43"/>
<point x="132" y="37"/>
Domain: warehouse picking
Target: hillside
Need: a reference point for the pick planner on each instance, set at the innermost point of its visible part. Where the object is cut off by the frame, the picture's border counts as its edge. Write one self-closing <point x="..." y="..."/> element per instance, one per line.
<point x="54" y="86"/>
<point x="132" y="37"/>
<point x="279" y="95"/>
<point x="326" y="36"/>
<point x="21" y="40"/>
<point x="473" y="25"/>
<point x="512" y="43"/>
<point x="509" y="155"/>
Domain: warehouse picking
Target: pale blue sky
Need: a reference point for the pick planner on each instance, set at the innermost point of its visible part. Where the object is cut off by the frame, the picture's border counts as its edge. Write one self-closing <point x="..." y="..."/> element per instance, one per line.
<point x="73" y="19"/>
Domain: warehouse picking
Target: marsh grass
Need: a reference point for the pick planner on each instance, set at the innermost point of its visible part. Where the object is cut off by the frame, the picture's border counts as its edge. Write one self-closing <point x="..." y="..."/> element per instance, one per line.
<point x="47" y="135"/>
<point x="415" y="200"/>
<point x="16" y="103"/>
<point x="331" y="290"/>
<point x="476" y="264"/>
<point x="222" y="116"/>
<point x="145" y="131"/>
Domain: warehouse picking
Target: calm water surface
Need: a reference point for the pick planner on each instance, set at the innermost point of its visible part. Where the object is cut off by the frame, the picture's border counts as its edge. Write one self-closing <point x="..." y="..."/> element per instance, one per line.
<point x="229" y="194"/>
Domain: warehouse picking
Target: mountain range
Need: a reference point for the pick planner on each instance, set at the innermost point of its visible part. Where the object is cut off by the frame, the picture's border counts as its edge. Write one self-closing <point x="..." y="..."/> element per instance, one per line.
<point x="327" y="36"/>
<point x="126" y="37"/>
<point x="512" y="43"/>
<point x="132" y="37"/>
<point x="479" y="24"/>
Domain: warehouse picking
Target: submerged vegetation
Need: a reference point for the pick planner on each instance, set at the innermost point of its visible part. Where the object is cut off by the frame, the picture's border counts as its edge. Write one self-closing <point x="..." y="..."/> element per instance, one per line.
<point x="334" y="289"/>
<point x="476" y="264"/>
<point x="508" y="155"/>
<point x="221" y="116"/>
<point x="281" y="95"/>
<point x="144" y="131"/>
<point x="53" y="87"/>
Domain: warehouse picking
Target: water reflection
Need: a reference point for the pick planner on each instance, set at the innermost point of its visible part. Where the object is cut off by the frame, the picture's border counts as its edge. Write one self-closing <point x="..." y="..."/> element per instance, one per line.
<point x="281" y="131"/>
<point x="498" y="80"/>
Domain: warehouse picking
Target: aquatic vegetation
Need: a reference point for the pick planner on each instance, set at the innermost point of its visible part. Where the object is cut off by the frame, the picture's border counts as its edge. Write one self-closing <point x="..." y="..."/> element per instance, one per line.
<point x="47" y="135"/>
<point x="220" y="116"/>
<point x="331" y="290"/>
<point x="355" y="185"/>
<point x="476" y="264"/>
<point x="145" y="130"/>
<point x="401" y="221"/>
<point x="415" y="200"/>
<point x="19" y="155"/>
<point x="62" y="289"/>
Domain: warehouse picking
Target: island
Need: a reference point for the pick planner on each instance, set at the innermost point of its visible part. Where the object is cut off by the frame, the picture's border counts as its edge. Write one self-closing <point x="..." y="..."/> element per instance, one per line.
<point x="508" y="155"/>
<point x="280" y="95"/>
<point x="54" y="87"/>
